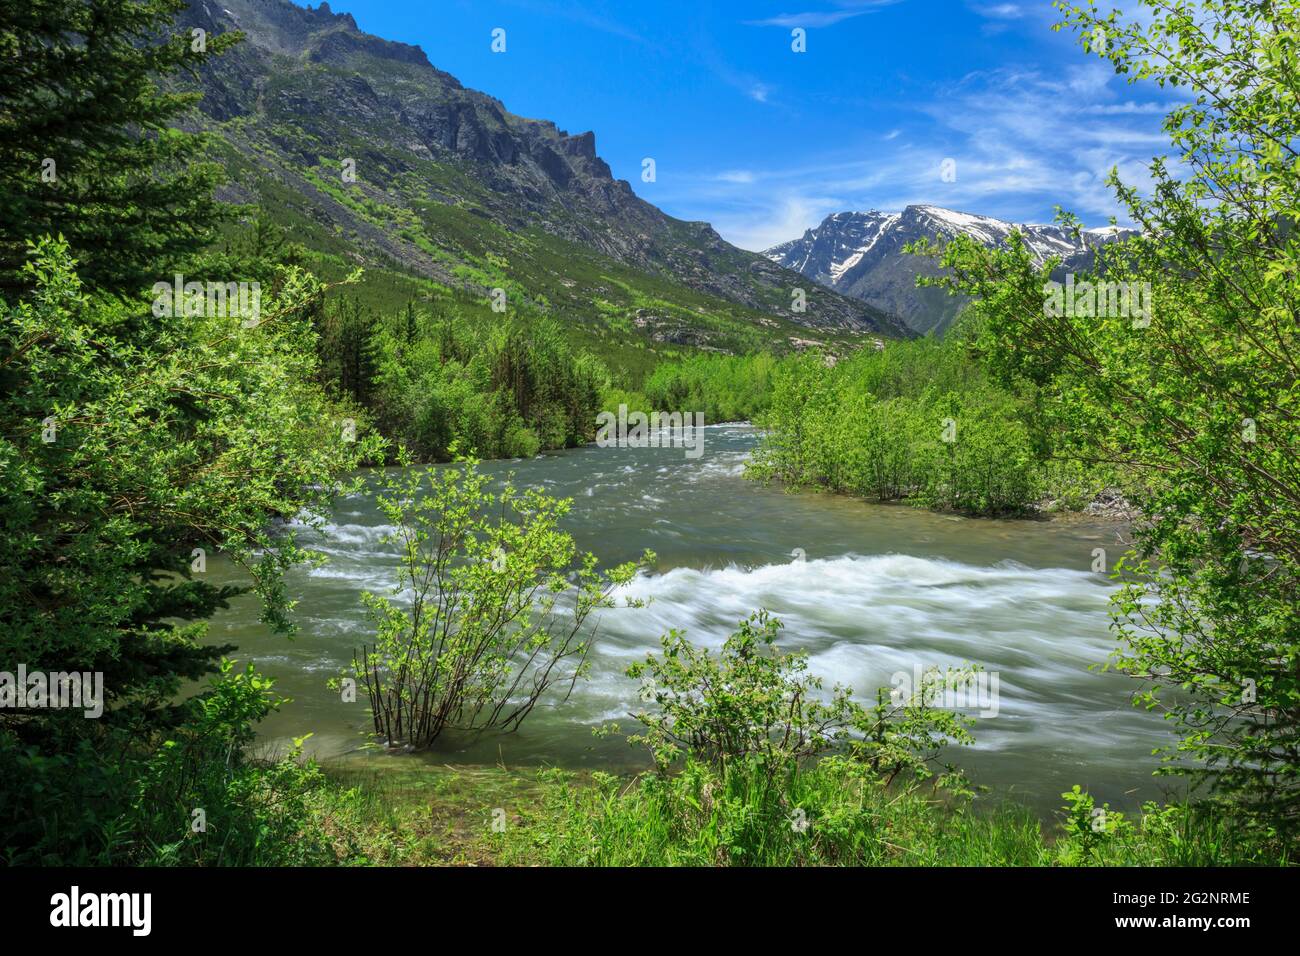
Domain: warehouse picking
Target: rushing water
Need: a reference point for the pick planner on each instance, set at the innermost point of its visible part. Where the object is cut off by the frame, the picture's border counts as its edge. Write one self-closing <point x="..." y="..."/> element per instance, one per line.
<point x="867" y="590"/>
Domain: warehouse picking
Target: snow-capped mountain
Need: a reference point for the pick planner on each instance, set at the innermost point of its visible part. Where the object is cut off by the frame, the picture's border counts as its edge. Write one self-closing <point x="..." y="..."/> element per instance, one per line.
<point x="861" y="255"/>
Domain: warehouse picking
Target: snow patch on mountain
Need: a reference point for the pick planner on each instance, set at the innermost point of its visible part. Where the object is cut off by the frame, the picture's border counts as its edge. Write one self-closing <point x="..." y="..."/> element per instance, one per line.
<point x="877" y="230"/>
<point x="861" y="254"/>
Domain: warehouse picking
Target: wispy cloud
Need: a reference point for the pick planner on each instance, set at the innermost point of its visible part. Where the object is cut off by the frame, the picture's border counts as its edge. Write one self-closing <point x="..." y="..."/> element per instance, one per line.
<point x="1124" y="109"/>
<point x="1021" y="140"/>
<point x="847" y="9"/>
<point x="1004" y="16"/>
<point x="787" y="215"/>
<point x="999" y="11"/>
<point x="706" y="52"/>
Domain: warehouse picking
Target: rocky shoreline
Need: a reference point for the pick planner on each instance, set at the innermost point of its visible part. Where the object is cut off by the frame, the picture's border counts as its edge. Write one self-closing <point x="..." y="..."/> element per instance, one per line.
<point x="1109" y="504"/>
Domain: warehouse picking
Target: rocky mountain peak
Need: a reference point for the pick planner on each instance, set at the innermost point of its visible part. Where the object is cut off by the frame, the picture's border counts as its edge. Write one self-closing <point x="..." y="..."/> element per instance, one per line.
<point x="861" y="255"/>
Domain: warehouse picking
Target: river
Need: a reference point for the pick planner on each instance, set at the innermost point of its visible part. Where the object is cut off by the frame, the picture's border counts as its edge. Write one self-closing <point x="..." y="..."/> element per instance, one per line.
<point x="867" y="590"/>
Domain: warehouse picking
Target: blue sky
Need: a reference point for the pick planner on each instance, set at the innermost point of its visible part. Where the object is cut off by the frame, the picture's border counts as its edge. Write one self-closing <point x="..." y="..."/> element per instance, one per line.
<point x="764" y="142"/>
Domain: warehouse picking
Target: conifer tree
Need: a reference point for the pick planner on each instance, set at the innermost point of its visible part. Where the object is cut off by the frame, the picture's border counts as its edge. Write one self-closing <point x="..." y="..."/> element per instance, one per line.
<point x="87" y="99"/>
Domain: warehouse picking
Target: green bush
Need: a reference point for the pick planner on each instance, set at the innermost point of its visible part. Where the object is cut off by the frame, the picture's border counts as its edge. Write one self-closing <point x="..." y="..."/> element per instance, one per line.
<point x="724" y="388"/>
<point x="916" y="421"/>
<point x="253" y="813"/>
<point x="498" y="616"/>
<point x="500" y="392"/>
<point x="127" y="798"/>
<point x="757" y="708"/>
<point x="756" y="766"/>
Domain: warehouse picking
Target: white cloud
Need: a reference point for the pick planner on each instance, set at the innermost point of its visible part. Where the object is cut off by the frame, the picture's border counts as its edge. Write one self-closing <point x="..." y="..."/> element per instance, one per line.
<point x="1024" y="141"/>
<point x="824" y="18"/>
<point x="784" y="216"/>
<point x="999" y="11"/>
<point x="1124" y="109"/>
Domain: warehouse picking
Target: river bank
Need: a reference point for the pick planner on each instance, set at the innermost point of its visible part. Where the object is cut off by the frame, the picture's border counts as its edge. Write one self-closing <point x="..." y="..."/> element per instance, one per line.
<point x="402" y="812"/>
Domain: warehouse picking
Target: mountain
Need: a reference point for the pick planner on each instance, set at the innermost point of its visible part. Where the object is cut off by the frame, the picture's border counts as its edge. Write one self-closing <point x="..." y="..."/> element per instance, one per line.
<point x="451" y="187"/>
<point x="861" y="254"/>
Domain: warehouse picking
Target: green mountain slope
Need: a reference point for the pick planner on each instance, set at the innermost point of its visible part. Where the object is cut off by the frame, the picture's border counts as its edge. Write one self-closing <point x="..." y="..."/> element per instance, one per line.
<point x="451" y="190"/>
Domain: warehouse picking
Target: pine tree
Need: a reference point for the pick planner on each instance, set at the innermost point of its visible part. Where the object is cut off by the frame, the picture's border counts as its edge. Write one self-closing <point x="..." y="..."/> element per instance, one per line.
<point x="85" y="145"/>
<point x="349" y="362"/>
<point x="412" y="328"/>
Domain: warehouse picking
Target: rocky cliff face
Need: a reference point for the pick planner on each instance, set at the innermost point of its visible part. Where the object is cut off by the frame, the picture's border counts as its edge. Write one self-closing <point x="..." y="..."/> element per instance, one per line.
<point x="307" y="90"/>
<point x="861" y="254"/>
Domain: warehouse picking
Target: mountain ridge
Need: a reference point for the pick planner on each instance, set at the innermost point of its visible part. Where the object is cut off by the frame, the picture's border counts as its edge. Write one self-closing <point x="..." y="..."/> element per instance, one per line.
<point x="861" y="255"/>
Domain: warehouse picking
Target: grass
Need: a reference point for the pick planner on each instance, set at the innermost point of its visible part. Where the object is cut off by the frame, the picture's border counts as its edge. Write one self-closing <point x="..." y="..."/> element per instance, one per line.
<point x="406" y="812"/>
<point x="699" y="821"/>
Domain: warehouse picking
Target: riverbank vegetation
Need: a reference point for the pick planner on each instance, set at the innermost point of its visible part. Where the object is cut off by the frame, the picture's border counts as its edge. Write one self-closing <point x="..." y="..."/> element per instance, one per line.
<point x="404" y="812"/>
<point x="438" y="380"/>
<point x="917" y="421"/>
<point x="139" y="438"/>
<point x="724" y="388"/>
<point x="136" y="447"/>
<point x="752" y="765"/>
